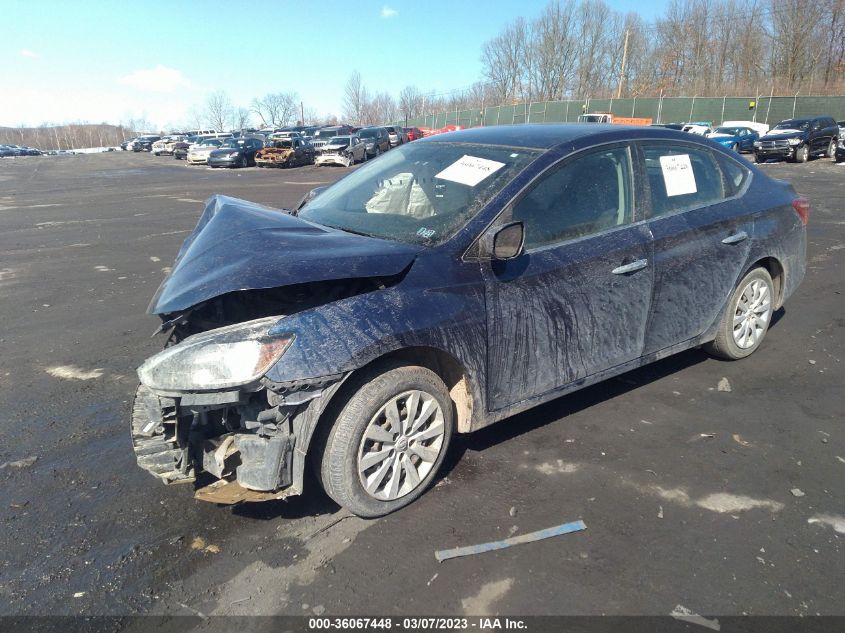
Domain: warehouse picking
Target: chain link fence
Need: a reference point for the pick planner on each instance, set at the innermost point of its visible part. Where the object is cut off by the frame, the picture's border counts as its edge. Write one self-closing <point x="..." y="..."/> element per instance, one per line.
<point x="763" y="109"/>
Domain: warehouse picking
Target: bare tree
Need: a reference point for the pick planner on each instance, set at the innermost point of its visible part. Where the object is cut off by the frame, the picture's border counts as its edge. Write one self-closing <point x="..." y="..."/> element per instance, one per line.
<point x="218" y="110"/>
<point x="355" y="99"/>
<point x="241" y="119"/>
<point x="276" y="108"/>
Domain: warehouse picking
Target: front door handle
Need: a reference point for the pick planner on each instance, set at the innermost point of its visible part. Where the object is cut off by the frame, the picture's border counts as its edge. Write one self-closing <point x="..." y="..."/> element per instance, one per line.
<point x="630" y="268"/>
<point x="736" y="238"/>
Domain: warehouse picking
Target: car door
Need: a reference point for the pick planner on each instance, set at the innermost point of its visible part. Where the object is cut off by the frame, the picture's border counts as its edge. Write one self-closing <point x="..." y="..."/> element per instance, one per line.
<point x="701" y="228"/>
<point x="576" y="301"/>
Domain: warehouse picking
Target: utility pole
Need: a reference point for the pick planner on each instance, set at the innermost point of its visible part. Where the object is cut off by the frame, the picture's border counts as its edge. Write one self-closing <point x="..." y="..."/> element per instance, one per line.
<point x="624" y="61"/>
<point x="301" y="113"/>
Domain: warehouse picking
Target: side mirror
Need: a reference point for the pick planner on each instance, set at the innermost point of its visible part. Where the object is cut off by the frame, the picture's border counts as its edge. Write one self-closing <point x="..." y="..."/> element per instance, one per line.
<point x="509" y="241"/>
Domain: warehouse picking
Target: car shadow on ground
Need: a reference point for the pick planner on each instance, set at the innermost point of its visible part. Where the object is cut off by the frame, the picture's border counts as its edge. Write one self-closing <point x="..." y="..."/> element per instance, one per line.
<point x="576" y="401"/>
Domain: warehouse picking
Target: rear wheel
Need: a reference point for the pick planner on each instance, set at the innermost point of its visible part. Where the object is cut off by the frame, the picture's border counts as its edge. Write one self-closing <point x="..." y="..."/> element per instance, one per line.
<point x="388" y="441"/>
<point x="747" y="317"/>
<point x="735" y="147"/>
<point x="831" y="149"/>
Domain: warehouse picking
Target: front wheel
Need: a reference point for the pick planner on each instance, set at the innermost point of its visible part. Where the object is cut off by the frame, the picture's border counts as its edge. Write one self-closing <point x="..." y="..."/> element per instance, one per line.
<point x="243" y="162"/>
<point x="388" y="441"/>
<point x="802" y="153"/>
<point x="747" y="317"/>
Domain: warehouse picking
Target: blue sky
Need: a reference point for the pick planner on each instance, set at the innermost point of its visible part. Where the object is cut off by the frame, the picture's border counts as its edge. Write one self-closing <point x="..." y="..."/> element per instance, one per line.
<point x="63" y="61"/>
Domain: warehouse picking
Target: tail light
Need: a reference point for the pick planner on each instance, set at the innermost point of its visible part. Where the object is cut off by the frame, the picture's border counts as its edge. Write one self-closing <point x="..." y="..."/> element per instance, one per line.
<point x="802" y="208"/>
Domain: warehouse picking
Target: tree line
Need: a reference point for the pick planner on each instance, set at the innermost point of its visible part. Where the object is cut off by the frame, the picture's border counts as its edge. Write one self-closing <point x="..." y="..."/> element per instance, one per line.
<point x="579" y="49"/>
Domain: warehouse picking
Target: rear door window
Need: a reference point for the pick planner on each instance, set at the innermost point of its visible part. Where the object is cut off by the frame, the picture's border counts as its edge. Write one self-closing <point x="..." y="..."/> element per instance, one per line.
<point x="682" y="177"/>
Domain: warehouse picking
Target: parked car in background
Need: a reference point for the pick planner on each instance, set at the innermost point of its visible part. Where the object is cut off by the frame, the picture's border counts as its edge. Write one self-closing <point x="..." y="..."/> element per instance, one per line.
<point x="739" y="139"/>
<point x="165" y="146"/>
<point x="235" y="152"/>
<point x="342" y="150"/>
<point x="376" y="140"/>
<point x="126" y="145"/>
<point x="6" y="151"/>
<point x="198" y="154"/>
<point x="460" y="280"/>
<point x="285" y="151"/>
<point x="799" y="139"/>
<point x="396" y="135"/>
<point x="180" y="150"/>
<point x="144" y="143"/>
<point x="702" y="129"/>
<point x="413" y="133"/>
<point x="760" y="128"/>
<point x="322" y="135"/>
<point x="670" y="126"/>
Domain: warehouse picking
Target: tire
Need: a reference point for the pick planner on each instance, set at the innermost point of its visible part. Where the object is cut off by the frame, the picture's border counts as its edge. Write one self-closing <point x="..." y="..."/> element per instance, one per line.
<point x="377" y="152"/>
<point x="756" y="290"/>
<point x="757" y="158"/>
<point x="243" y="162"/>
<point x="831" y="149"/>
<point x="345" y="446"/>
<point x="735" y="148"/>
<point x="802" y="153"/>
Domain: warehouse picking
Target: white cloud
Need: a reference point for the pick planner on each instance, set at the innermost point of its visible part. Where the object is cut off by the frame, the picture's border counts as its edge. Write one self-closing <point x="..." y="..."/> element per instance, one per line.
<point x="158" y="79"/>
<point x="25" y="52"/>
<point x="388" y="12"/>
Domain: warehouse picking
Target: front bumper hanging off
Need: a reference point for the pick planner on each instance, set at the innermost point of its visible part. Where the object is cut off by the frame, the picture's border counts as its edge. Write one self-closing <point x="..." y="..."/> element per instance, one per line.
<point x="236" y="446"/>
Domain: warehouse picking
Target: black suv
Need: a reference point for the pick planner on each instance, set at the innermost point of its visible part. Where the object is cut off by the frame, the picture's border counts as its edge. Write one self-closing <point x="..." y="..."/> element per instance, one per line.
<point x="798" y="139"/>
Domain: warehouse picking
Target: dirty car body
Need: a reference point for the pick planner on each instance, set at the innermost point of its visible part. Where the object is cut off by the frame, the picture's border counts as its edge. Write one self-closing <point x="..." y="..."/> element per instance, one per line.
<point x="450" y="284"/>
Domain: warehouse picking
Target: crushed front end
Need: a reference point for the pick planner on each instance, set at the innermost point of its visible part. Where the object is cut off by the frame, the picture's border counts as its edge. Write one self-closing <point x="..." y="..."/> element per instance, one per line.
<point x="237" y="442"/>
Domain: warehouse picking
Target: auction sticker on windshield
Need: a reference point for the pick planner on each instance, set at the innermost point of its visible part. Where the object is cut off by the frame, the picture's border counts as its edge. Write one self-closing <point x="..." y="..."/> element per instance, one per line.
<point x="678" y="175"/>
<point x="470" y="170"/>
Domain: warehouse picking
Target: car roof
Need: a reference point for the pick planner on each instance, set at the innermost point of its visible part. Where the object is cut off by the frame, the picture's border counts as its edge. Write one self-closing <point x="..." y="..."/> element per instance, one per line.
<point x="546" y="136"/>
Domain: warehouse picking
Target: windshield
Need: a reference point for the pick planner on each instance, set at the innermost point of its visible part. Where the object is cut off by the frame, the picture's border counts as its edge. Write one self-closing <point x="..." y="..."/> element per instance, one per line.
<point x="732" y="131"/>
<point x="339" y="140"/>
<point x="371" y="133"/>
<point x="793" y="124"/>
<point x="421" y="193"/>
<point x="233" y="143"/>
<point x="326" y="133"/>
<point x="211" y="142"/>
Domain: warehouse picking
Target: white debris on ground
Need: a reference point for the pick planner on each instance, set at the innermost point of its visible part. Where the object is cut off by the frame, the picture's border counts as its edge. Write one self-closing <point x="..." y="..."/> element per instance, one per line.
<point x="71" y="372"/>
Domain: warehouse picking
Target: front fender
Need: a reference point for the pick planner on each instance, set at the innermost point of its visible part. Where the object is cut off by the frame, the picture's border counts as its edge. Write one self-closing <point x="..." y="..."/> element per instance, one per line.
<point x="346" y="335"/>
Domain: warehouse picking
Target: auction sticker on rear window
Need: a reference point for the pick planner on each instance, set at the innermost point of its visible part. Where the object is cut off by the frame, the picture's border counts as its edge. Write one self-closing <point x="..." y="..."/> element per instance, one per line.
<point x="470" y="170"/>
<point x="678" y="175"/>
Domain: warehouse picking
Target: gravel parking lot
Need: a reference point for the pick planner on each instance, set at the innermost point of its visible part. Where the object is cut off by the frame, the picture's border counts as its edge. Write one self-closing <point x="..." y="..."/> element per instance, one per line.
<point x="712" y="485"/>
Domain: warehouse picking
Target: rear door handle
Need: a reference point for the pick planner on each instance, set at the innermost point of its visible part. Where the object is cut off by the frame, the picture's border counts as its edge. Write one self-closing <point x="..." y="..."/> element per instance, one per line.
<point x="736" y="238"/>
<point x="630" y="268"/>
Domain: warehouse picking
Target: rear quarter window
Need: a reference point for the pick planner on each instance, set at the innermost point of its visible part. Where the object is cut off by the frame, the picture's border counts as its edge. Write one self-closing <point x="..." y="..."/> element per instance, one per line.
<point x="684" y="177"/>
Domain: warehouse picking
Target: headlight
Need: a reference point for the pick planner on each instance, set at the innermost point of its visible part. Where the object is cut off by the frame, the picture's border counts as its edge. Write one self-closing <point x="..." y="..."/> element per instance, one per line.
<point x="227" y="357"/>
<point x="758" y="144"/>
<point x="794" y="141"/>
<point x="232" y="154"/>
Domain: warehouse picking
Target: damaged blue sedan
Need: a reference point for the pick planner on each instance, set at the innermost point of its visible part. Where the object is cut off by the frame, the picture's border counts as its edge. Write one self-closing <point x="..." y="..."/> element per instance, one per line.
<point x="447" y="285"/>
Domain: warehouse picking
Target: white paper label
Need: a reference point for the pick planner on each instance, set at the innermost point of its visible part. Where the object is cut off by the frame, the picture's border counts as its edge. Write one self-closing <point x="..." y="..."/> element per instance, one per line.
<point x="678" y="175"/>
<point x="470" y="170"/>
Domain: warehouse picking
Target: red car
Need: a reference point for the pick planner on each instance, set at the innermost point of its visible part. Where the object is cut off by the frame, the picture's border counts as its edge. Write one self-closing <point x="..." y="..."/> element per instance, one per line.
<point x="413" y="133"/>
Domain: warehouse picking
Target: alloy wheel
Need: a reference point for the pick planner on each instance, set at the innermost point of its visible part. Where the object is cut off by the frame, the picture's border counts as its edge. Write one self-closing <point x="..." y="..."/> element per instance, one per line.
<point x="401" y="445"/>
<point x="752" y="314"/>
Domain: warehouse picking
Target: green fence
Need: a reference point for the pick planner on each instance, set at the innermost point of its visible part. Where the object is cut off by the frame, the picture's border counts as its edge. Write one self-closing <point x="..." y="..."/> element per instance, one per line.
<point x="763" y="109"/>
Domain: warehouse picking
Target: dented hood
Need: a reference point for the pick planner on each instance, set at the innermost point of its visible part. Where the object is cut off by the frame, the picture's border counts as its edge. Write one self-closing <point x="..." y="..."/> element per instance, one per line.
<point x="239" y="245"/>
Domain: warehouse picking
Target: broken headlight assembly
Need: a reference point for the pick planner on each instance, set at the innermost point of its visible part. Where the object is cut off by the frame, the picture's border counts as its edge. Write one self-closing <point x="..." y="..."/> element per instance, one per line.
<point x="231" y="356"/>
